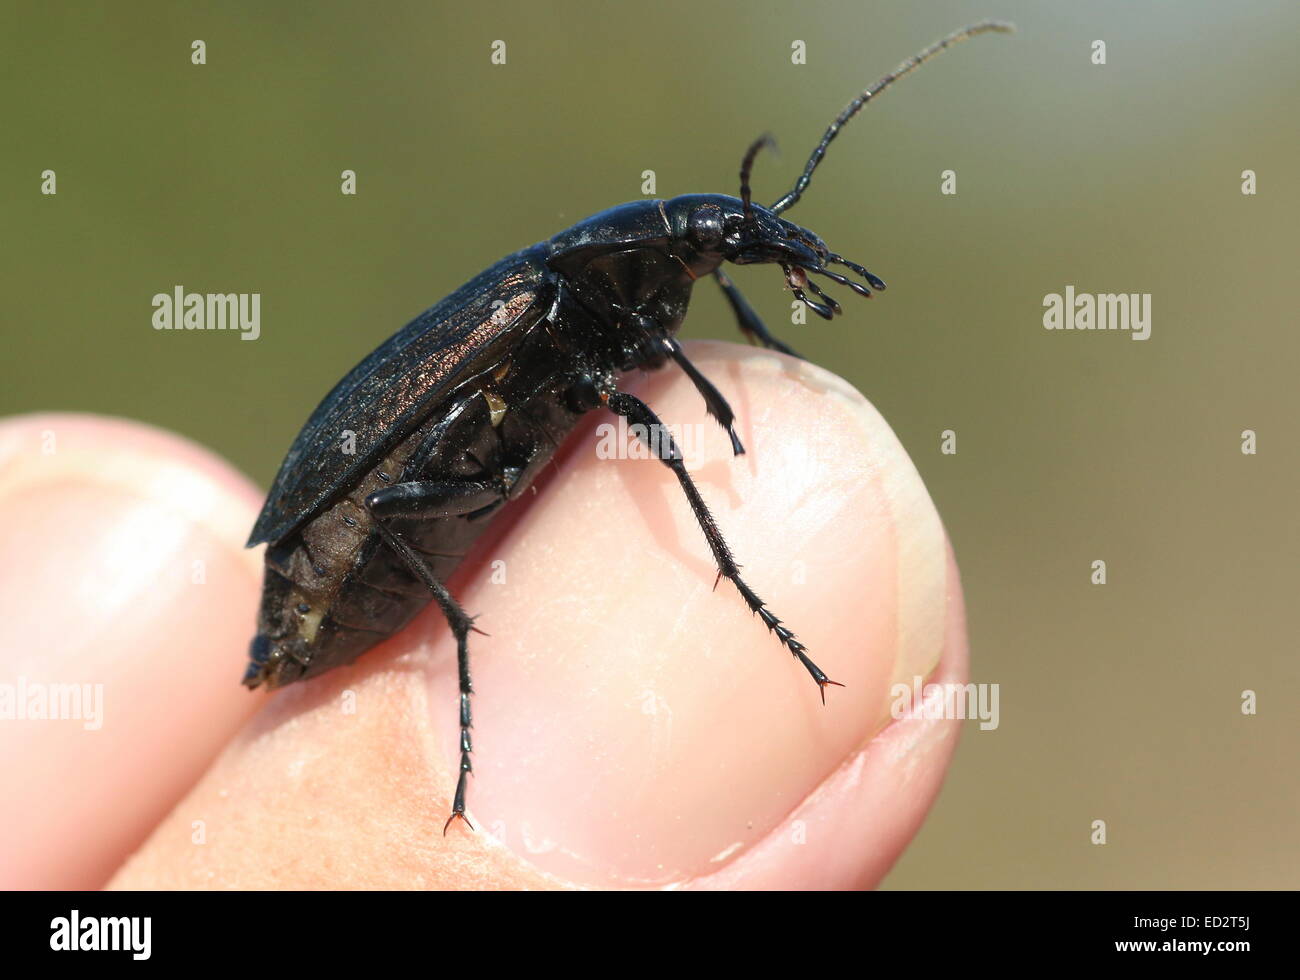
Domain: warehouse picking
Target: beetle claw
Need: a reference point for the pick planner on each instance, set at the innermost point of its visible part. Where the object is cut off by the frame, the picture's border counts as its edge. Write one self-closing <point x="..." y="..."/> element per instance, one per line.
<point x="456" y="814"/>
<point x="822" y="684"/>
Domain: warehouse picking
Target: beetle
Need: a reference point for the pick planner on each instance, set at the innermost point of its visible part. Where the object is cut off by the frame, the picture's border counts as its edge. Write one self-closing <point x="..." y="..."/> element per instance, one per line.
<point x="409" y="457"/>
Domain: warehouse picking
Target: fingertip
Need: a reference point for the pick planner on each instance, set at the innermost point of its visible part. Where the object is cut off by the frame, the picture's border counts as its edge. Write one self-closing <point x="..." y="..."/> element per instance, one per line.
<point x="50" y="448"/>
<point x="633" y="726"/>
<point x="123" y="580"/>
<point x="622" y="693"/>
<point x="851" y="830"/>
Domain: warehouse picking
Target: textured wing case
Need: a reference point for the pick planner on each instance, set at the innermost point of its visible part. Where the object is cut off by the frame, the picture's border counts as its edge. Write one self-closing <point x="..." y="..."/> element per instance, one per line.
<point x="389" y="394"/>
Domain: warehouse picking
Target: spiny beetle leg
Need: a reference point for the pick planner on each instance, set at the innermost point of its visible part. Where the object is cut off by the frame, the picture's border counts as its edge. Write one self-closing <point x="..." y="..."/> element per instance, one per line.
<point x="750" y="324"/>
<point x="442" y="500"/>
<point x="714" y="403"/>
<point x="660" y="441"/>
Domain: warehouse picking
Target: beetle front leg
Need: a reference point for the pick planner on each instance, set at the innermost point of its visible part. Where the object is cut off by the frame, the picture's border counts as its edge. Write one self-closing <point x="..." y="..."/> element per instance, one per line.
<point x="660" y="441"/>
<point x="714" y="403"/>
<point x="750" y="324"/>
<point x="435" y="500"/>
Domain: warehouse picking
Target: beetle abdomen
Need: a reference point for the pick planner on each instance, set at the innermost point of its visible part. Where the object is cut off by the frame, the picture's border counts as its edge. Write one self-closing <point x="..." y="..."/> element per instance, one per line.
<point x="322" y="602"/>
<point x="334" y="589"/>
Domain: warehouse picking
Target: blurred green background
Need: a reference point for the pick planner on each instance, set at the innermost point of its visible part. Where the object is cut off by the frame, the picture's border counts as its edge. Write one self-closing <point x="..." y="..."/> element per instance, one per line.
<point x="1118" y="702"/>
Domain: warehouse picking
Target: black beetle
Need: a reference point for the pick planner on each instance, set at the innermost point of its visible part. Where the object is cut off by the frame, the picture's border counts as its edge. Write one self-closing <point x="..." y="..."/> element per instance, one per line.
<point x="403" y="464"/>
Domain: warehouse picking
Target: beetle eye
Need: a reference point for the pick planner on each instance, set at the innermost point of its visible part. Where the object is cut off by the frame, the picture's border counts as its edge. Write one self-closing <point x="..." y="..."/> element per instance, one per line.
<point x="705" y="227"/>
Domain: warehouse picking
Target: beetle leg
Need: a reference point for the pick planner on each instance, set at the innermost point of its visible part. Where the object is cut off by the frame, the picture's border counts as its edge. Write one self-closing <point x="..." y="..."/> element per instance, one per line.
<point x="714" y="403"/>
<point x="750" y="324"/>
<point x="664" y="446"/>
<point x="433" y="500"/>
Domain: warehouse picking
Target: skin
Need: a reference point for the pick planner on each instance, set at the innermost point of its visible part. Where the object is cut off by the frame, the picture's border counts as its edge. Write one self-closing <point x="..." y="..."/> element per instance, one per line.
<point x="634" y="728"/>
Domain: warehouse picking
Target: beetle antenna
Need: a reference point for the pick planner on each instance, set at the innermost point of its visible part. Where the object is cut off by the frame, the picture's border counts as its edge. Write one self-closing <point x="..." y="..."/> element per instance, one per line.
<point x="852" y="109"/>
<point x="746" y="166"/>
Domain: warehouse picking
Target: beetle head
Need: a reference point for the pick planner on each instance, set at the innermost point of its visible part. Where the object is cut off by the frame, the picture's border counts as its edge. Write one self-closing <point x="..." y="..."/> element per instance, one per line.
<point x="719" y="228"/>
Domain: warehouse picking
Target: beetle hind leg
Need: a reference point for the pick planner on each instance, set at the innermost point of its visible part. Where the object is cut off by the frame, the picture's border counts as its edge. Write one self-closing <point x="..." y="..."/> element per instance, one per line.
<point x="666" y="450"/>
<point x="437" y="500"/>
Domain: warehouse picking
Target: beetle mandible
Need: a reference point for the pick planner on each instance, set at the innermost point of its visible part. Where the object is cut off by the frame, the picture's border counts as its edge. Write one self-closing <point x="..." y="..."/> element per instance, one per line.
<point x="457" y="413"/>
